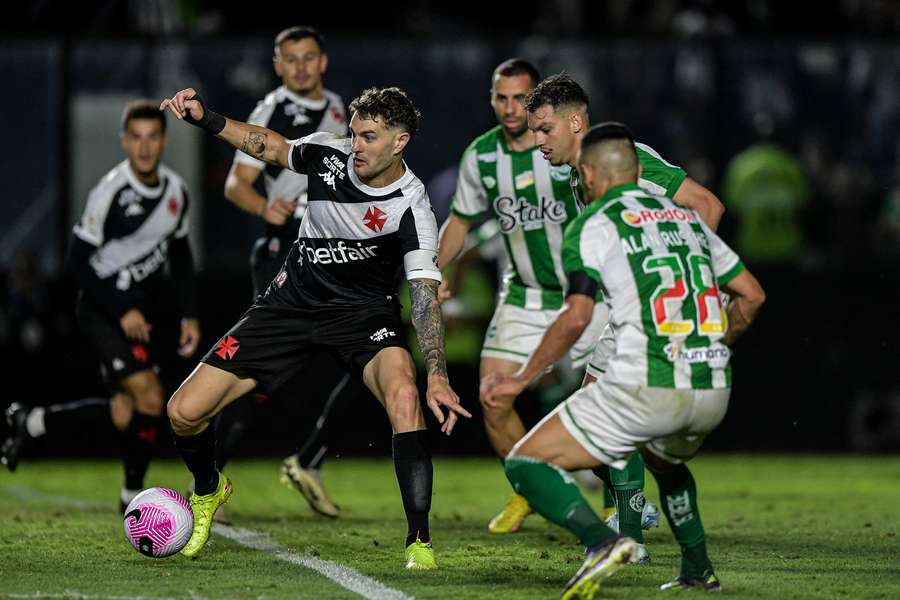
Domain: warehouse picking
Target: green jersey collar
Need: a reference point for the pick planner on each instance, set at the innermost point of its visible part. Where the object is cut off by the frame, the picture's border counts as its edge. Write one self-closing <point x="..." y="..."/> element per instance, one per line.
<point x="611" y="194"/>
<point x="501" y="139"/>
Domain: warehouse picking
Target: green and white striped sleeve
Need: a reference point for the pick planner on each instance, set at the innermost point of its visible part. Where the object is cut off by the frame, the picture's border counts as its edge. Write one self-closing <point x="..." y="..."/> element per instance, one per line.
<point x="726" y="263"/>
<point x="470" y="200"/>
<point x="658" y="176"/>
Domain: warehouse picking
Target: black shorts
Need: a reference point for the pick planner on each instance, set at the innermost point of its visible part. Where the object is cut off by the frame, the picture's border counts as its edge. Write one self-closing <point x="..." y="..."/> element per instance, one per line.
<point x="119" y="356"/>
<point x="272" y="341"/>
<point x="266" y="260"/>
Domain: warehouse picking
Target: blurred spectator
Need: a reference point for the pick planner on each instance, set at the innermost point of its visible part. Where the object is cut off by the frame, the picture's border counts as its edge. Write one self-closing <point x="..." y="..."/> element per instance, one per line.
<point x="887" y="238"/>
<point x="28" y="303"/>
<point x="766" y="188"/>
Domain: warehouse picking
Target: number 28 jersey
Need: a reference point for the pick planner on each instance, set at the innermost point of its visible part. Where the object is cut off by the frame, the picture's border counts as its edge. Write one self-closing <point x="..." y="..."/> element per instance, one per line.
<point x="354" y="237"/>
<point x="660" y="268"/>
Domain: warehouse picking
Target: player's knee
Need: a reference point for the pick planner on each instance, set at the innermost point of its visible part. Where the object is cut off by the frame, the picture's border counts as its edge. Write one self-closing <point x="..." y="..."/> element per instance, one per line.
<point x="147" y="392"/>
<point x="498" y="409"/>
<point x="150" y="401"/>
<point x="183" y="420"/>
<point x="403" y="405"/>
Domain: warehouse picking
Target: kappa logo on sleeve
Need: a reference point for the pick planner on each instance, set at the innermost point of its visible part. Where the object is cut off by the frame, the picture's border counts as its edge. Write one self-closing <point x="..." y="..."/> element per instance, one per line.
<point x="328" y="178"/>
<point x="336" y="168"/>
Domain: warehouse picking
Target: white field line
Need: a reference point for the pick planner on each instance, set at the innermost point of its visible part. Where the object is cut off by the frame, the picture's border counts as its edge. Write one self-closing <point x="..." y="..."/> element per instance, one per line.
<point x="347" y="578"/>
<point x="74" y="595"/>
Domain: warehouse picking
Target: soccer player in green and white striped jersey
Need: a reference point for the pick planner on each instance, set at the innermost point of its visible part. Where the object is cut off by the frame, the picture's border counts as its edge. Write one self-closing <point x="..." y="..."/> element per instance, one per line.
<point x="503" y="173"/>
<point x="558" y="114"/>
<point x="668" y="382"/>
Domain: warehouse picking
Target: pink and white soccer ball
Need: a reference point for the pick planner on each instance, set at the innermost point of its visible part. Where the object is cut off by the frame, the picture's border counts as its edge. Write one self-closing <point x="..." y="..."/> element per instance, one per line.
<point x="158" y="522"/>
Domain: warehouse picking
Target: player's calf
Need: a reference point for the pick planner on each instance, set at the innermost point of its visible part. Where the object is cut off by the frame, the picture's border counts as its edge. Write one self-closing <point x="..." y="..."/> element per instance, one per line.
<point x="678" y="493"/>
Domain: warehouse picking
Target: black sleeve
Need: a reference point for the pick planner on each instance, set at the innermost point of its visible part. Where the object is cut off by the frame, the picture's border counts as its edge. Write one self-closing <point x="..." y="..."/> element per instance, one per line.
<point x="100" y="292"/>
<point x="298" y="158"/>
<point x="181" y="265"/>
<point x="581" y="283"/>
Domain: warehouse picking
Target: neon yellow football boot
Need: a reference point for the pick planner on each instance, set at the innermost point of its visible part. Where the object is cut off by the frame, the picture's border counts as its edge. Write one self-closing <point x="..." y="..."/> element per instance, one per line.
<point x="204" y="508"/>
<point x="309" y="483"/>
<point x="420" y="556"/>
<point x="599" y="563"/>
<point x="510" y="519"/>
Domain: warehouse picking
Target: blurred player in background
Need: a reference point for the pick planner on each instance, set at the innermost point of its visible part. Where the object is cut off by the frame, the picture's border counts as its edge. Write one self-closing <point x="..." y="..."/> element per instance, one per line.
<point x="298" y="107"/>
<point x="502" y="174"/>
<point x="368" y="215"/>
<point x="668" y="381"/>
<point x="130" y="255"/>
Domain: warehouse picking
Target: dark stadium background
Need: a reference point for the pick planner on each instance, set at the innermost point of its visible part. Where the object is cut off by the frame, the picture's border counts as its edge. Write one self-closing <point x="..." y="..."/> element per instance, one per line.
<point x="699" y="81"/>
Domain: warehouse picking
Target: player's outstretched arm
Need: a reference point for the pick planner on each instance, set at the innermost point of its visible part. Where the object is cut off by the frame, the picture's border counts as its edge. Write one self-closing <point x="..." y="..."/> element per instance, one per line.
<point x="429" y="324"/>
<point x="258" y="142"/>
<point x="562" y="334"/>
<point x="747" y="298"/>
<point x="691" y="194"/>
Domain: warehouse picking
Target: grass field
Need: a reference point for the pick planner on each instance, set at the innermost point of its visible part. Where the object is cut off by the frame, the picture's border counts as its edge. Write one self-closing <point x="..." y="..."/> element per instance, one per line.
<point x="778" y="527"/>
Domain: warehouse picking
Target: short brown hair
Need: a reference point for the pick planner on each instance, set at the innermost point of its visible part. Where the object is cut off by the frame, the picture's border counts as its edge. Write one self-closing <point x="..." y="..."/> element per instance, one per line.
<point x="558" y="91"/>
<point x="143" y="109"/>
<point x="517" y="66"/>
<point x="391" y="104"/>
<point x="297" y="33"/>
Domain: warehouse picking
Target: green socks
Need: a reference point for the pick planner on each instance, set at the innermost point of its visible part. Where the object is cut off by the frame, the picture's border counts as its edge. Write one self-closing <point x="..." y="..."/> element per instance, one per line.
<point x="628" y="490"/>
<point x="608" y="500"/>
<point x="678" y="494"/>
<point x="625" y="490"/>
<point x="554" y="495"/>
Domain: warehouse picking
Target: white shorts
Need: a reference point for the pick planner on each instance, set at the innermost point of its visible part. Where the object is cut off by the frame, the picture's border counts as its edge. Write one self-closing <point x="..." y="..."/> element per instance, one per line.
<point x="515" y="333"/>
<point x="611" y="420"/>
<point x="603" y="351"/>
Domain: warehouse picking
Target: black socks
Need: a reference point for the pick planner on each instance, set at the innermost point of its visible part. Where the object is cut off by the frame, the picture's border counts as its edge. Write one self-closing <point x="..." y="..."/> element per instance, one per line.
<point x="412" y="463"/>
<point x="199" y="454"/>
<point x="138" y="442"/>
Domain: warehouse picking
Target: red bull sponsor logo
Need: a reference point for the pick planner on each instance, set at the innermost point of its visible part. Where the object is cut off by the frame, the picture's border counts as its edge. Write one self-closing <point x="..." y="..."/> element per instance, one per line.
<point x="638" y="218"/>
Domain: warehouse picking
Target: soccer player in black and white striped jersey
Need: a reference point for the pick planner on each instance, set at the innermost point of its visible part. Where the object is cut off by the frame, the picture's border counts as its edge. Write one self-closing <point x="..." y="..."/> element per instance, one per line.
<point x="368" y="214"/>
<point x="135" y="223"/>
<point x="298" y="107"/>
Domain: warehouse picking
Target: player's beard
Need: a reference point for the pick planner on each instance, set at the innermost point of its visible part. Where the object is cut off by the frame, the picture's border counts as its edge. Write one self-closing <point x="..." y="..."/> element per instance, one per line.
<point x="518" y="132"/>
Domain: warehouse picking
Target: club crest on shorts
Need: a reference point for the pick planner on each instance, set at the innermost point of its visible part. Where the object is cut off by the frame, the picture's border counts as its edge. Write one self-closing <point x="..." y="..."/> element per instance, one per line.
<point x="139" y="352"/>
<point x="227" y="348"/>
<point x="281" y="278"/>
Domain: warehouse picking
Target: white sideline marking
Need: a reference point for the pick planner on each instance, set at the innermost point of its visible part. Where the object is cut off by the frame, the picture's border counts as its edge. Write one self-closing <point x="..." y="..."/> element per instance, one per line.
<point x="346" y="577"/>
<point x="75" y="595"/>
<point x="26" y="494"/>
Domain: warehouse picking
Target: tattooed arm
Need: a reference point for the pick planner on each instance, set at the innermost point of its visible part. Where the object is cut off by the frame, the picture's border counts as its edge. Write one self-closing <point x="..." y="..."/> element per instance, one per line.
<point x="429" y="325"/>
<point x="258" y="142"/>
